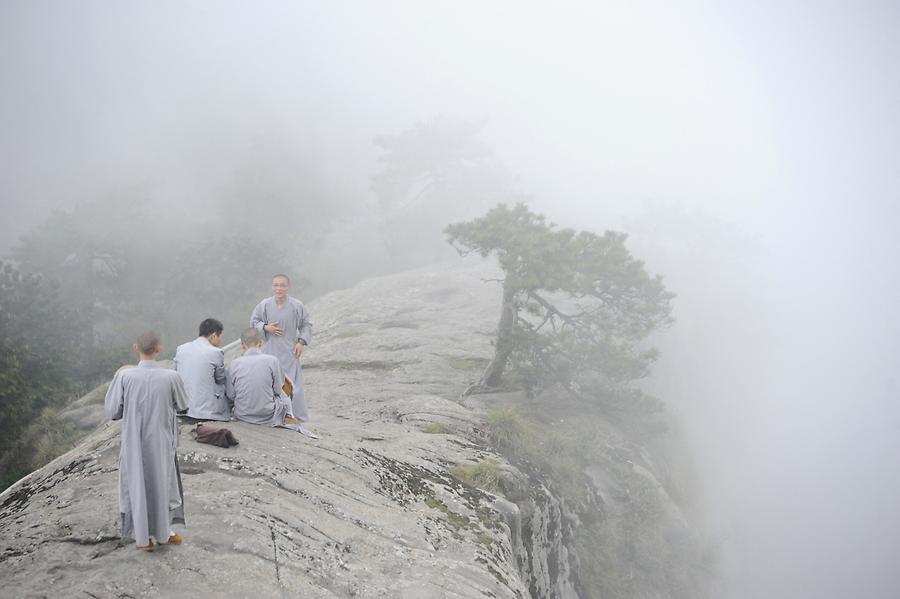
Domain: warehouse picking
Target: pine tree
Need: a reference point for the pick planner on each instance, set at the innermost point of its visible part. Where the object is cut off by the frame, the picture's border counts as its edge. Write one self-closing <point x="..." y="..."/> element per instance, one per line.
<point x="576" y="308"/>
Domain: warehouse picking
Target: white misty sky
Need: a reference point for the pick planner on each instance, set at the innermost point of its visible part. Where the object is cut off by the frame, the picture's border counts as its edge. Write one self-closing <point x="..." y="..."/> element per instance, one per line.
<point x="778" y="117"/>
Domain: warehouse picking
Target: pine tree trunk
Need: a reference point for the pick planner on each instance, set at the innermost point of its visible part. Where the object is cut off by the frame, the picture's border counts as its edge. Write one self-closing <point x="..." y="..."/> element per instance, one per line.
<point x="494" y="372"/>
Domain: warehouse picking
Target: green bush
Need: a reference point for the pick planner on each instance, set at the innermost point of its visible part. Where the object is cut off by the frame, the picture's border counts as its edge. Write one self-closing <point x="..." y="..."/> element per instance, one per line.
<point x="507" y="430"/>
<point x="485" y="475"/>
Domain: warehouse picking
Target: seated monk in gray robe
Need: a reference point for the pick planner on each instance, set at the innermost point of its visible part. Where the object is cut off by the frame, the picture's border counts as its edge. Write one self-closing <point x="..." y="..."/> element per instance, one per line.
<point x="254" y="384"/>
<point x="146" y="399"/>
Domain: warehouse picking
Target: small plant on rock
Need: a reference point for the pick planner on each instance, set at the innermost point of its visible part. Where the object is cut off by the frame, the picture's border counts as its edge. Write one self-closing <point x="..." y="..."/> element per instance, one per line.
<point x="437" y="428"/>
<point x="507" y="429"/>
<point x="485" y="475"/>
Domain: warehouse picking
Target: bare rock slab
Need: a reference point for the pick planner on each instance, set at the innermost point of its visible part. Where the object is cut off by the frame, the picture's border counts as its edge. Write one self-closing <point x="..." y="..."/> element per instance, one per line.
<point x="366" y="511"/>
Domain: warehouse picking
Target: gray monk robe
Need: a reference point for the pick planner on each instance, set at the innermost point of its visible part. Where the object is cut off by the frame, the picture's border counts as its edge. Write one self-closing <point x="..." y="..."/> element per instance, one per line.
<point x="202" y="368"/>
<point x="146" y="398"/>
<point x="253" y="383"/>
<point x="293" y="318"/>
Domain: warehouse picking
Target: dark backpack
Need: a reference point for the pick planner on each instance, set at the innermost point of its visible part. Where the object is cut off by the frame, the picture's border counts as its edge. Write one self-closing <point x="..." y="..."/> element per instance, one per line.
<point x="222" y="437"/>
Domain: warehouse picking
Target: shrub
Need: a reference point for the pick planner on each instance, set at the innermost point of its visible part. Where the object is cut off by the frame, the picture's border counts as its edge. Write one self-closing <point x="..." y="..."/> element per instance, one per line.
<point x="485" y="475"/>
<point x="506" y="429"/>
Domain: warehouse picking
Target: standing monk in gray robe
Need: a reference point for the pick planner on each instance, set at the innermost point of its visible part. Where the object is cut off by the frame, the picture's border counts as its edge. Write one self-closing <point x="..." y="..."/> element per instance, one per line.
<point x="283" y="322"/>
<point x="254" y="384"/>
<point x="146" y="399"/>
<point x="201" y="365"/>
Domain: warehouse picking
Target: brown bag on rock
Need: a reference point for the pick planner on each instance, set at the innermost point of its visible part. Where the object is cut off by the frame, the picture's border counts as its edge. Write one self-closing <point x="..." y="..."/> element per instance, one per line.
<point x="222" y="437"/>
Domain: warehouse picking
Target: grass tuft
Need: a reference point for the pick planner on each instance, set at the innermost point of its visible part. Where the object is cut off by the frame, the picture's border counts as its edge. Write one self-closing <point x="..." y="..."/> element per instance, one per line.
<point x="485" y="475"/>
<point x="437" y="428"/>
<point x="507" y="429"/>
<point x="467" y="362"/>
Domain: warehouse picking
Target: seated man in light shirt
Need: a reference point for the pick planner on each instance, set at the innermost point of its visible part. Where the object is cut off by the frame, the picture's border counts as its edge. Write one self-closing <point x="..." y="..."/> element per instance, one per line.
<point x="201" y="365"/>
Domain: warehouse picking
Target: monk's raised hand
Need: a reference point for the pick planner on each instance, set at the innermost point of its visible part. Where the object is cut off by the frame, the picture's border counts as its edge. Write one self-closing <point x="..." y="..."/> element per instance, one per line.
<point x="273" y="328"/>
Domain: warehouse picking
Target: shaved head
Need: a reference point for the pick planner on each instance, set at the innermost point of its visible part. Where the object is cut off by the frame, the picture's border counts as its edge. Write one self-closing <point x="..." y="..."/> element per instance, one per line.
<point x="147" y="343"/>
<point x="281" y="276"/>
<point x="250" y="337"/>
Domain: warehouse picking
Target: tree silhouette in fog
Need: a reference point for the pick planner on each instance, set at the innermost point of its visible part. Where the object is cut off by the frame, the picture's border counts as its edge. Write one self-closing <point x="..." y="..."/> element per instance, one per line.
<point x="576" y="305"/>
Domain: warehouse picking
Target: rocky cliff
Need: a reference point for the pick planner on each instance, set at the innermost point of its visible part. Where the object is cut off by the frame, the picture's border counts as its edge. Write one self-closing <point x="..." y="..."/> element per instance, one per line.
<point x="369" y="510"/>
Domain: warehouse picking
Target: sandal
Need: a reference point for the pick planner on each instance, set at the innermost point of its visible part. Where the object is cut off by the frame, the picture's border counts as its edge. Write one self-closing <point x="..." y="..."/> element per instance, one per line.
<point x="151" y="546"/>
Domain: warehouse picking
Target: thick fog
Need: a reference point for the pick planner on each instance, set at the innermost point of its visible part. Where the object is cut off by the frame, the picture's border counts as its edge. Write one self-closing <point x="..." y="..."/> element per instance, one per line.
<point x="752" y="152"/>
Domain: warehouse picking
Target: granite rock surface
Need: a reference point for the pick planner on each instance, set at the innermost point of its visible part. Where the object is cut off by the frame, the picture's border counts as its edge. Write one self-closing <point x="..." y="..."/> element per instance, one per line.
<point x="368" y="510"/>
